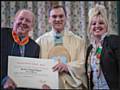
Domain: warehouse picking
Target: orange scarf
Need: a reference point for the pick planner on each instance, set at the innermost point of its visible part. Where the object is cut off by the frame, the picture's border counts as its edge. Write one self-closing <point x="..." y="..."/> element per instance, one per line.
<point x="17" y="40"/>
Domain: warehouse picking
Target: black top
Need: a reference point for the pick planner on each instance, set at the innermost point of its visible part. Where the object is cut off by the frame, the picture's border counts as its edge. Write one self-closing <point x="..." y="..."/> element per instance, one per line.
<point x="109" y="61"/>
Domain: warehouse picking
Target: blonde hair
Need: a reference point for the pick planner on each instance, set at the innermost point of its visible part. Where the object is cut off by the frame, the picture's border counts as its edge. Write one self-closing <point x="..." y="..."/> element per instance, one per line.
<point x="95" y="11"/>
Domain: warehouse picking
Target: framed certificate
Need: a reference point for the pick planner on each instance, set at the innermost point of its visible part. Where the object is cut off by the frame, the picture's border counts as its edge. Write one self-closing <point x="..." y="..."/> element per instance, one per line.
<point x="32" y="72"/>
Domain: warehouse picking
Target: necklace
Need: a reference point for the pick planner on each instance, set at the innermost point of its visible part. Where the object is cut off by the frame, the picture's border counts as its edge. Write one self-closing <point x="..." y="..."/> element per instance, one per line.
<point x="17" y="40"/>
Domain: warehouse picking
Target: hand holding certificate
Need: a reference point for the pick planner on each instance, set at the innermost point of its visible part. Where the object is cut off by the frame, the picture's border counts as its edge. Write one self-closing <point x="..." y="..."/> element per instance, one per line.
<point x="32" y="72"/>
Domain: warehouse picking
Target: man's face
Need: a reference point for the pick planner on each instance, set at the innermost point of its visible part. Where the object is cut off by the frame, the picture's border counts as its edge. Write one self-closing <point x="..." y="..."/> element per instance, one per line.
<point x="23" y="23"/>
<point x="57" y="19"/>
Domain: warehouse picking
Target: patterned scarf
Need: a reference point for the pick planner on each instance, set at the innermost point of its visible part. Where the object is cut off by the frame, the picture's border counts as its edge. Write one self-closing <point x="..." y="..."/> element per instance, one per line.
<point x="98" y="56"/>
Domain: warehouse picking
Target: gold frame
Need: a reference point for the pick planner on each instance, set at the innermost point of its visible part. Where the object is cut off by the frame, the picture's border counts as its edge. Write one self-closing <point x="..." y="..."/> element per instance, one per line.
<point x="58" y="51"/>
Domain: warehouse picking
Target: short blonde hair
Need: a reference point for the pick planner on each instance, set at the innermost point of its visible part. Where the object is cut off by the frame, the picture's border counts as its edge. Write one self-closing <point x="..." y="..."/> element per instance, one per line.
<point x="95" y="11"/>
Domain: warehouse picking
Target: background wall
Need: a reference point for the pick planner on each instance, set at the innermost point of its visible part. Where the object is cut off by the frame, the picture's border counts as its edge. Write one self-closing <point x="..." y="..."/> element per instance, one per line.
<point x="77" y="14"/>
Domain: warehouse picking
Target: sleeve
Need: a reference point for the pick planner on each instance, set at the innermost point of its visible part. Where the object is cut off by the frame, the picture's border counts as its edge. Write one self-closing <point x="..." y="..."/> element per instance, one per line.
<point x="3" y="81"/>
<point x="117" y="54"/>
<point x="77" y="76"/>
<point x="38" y="42"/>
<point x="115" y="45"/>
<point x="37" y="51"/>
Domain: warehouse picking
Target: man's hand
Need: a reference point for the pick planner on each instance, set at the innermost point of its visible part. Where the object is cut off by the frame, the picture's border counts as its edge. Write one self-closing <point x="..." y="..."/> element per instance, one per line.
<point x="45" y="87"/>
<point x="60" y="67"/>
<point x="9" y="84"/>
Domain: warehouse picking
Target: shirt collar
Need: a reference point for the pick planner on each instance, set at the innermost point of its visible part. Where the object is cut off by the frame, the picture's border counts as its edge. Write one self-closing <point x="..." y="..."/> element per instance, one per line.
<point x="101" y="40"/>
<point x="56" y="33"/>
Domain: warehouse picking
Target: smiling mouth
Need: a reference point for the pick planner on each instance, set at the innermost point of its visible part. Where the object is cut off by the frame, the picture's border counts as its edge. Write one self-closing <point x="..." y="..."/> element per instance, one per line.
<point x="97" y="29"/>
<point x="57" y="23"/>
<point x="22" y="25"/>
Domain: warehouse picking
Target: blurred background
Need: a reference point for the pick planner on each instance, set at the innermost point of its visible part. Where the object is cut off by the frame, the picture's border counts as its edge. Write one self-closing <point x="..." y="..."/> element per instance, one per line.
<point x="77" y="15"/>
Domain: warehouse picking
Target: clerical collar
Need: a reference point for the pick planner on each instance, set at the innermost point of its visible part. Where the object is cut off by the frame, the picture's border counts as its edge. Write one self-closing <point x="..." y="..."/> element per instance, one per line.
<point x="58" y="33"/>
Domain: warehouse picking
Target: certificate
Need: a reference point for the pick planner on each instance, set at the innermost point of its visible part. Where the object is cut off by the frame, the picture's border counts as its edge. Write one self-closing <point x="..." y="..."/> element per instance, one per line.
<point x="32" y="72"/>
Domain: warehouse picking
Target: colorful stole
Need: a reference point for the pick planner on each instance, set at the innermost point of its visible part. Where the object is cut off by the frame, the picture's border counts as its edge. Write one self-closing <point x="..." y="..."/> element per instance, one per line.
<point x="17" y="40"/>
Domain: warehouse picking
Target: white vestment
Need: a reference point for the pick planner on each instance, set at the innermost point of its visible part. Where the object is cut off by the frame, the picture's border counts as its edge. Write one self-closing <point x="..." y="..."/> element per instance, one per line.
<point x="75" y="45"/>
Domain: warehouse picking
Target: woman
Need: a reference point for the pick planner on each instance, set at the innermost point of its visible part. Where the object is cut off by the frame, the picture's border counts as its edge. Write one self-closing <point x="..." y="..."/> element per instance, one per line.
<point x="103" y="55"/>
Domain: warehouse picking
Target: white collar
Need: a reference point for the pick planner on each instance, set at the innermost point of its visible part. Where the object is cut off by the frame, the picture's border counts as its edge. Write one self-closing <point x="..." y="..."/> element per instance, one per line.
<point x="101" y="40"/>
<point x="56" y="33"/>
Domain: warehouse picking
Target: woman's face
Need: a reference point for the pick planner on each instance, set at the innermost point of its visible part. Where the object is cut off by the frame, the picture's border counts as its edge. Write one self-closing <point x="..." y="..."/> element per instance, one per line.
<point x="98" y="26"/>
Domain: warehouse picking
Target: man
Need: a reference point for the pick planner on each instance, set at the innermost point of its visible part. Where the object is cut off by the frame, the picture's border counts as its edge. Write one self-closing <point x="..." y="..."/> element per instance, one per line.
<point x="16" y="42"/>
<point x="67" y="49"/>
